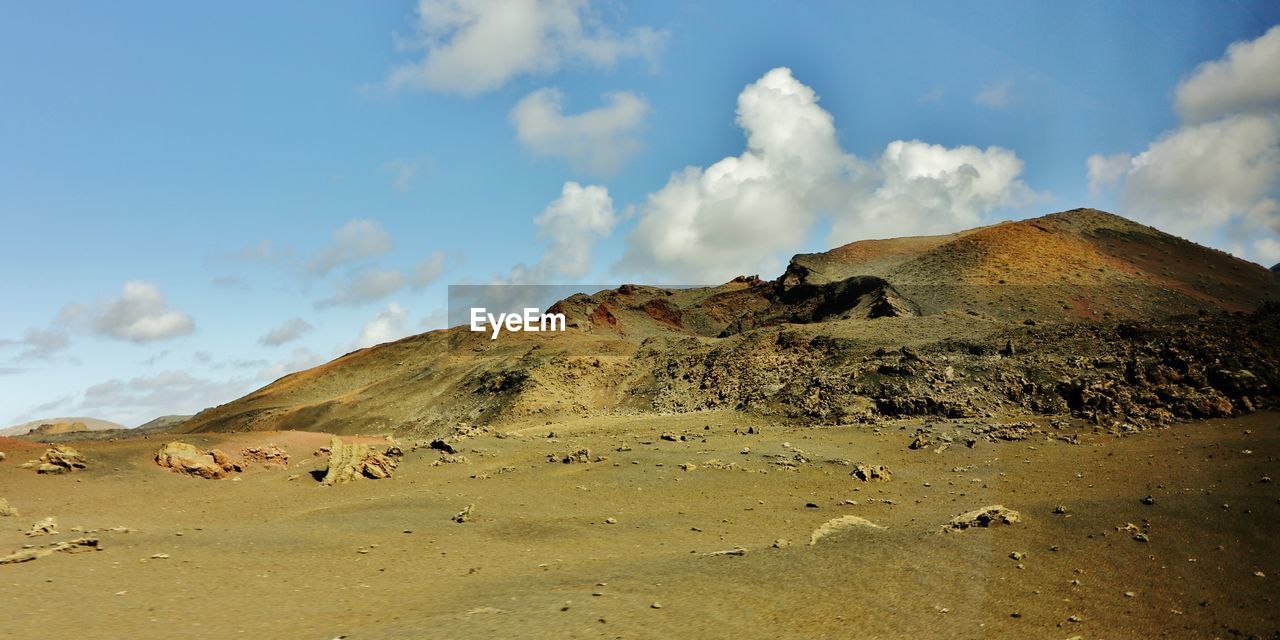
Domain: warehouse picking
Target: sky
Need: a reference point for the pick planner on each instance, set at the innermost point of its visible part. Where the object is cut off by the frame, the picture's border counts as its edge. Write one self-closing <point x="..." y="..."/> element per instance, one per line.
<point x="198" y="198"/>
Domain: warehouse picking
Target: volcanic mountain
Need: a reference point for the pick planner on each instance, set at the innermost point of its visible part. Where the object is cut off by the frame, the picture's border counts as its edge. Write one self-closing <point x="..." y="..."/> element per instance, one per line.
<point x="1080" y="312"/>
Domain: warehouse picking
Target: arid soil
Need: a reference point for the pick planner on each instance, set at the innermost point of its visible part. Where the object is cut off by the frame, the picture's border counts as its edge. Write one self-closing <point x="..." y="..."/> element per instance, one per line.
<point x="1164" y="533"/>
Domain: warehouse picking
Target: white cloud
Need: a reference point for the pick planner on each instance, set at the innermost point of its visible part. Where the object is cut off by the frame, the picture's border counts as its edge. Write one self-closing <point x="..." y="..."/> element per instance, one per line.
<point x="369" y="286"/>
<point x="1202" y="176"/>
<point x="355" y="241"/>
<point x="1267" y="250"/>
<point x="600" y="140"/>
<point x="473" y="46"/>
<point x="1105" y="172"/>
<point x="388" y="325"/>
<point x="1246" y="80"/>
<point x="739" y="215"/>
<point x="1216" y="178"/>
<point x="927" y="188"/>
<point x="996" y="96"/>
<point x="139" y="314"/>
<point x="291" y="330"/>
<point x="301" y="359"/>
<point x="570" y="227"/>
<point x="38" y="343"/>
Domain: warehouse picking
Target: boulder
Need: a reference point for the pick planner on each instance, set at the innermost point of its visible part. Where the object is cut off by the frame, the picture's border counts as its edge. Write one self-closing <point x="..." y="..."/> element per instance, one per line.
<point x="989" y="516"/>
<point x="180" y="457"/>
<point x="349" y="462"/>
<point x="57" y="459"/>
<point x="871" y="472"/>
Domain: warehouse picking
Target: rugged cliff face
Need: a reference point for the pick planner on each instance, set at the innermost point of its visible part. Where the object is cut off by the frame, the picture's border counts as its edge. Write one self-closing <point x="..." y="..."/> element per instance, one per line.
<point x="1080" y="312"/>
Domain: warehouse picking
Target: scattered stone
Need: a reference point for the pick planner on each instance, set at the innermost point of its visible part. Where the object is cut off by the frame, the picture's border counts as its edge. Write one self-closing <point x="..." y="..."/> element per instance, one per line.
<point x="745" y="450"/>
<point x="69" y="546"/>
<point x="688" y="466"/>
<point x="837" y="525"/>
<point x="180" y="457"/>
<point x="270" y="455"/>
<point x="1059" y="509"/>
<point x="869" y="473"/>
<point x="575" y="457"/>
<point x="48" y="526"/>
<point x="670" y="437"/>
<point x="988" y="516"/>
<point x="921" y="441"/>
<point x="6" y="510"/>
<point x="464" y="515"/>
<point x="450" y="459"/>
<point x="611" y="520"/>
<point x="2" y="456"/>
<point x="159" y="556"/>
<point x="656" y="605"/>
<point x="1149" y="500"/>
<point x="57" y="459"/>
<point x="780" y="543"/>
<point x="1017" y="555"/>
<point x="736" y="551"/>
<point x="349" y="462"/>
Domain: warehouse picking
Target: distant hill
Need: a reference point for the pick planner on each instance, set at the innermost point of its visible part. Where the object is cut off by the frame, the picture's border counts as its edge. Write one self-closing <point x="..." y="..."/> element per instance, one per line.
<point x="57" y="426"/>
<point x="1035" y="313"/>
<point x="162" y="424"/>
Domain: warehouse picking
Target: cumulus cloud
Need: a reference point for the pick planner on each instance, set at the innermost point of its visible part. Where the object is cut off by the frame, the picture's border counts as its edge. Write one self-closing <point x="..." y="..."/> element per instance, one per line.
<point x="569" y="227"/>
<point x="474" y="46"/>
<point x="1219" y="172"/>
<point x="742" y="213"/>
<point x="357" y="240"/>
<point x="600" y="140"/>
<point x="291" y="330"/>
<point x="388" y="325"/>
<point x="1245" y="80"/>
<point x="139" y="314"/>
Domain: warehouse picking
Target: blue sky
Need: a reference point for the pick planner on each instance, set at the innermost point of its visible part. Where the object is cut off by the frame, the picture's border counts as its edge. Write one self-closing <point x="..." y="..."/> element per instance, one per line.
<point x="180" y="180"/>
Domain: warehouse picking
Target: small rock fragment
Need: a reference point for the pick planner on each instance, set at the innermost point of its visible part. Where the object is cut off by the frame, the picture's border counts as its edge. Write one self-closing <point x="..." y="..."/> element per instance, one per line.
<point x="464" y="515"/>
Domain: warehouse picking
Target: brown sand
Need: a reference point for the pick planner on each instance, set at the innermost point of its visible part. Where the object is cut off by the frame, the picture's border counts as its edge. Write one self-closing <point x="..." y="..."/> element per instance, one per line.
<point x="267" y="556"/>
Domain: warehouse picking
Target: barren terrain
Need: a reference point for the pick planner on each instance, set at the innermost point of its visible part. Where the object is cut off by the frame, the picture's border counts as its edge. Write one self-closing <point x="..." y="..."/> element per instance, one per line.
<point x="625" y="546"/>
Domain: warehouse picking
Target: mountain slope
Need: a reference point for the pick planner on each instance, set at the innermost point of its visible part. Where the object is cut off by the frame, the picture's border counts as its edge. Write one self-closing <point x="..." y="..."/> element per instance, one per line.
<point x="1067" y="313"/>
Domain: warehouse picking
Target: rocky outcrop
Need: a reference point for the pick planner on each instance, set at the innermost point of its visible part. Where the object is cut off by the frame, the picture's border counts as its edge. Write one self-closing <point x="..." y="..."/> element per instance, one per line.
<point x="270" y="455"/>
<point x="871" y="472"/>
<point x="57" y="459"/>
<point x="843" y="523"/>
<point x="68" y="546"/>
<point x="6" y="510"/>
<point x="989" y="516"/>
<point x="349" y="462"/>
<point x="187" y="459"/>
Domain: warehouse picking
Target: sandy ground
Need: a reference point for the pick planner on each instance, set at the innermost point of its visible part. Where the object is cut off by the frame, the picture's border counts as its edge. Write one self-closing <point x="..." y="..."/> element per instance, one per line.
<point x="274" y="555"/>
